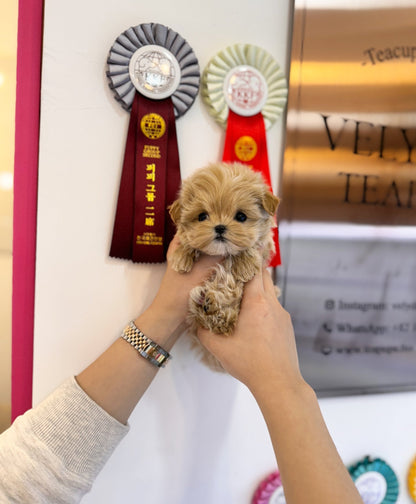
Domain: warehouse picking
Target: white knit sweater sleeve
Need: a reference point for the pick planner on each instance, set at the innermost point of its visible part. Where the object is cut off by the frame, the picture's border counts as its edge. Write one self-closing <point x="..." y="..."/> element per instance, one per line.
<point x="53" y="453"/>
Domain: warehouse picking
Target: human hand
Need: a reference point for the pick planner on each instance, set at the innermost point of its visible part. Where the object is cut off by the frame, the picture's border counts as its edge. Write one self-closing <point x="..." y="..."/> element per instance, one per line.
<point x="170" y="306"/>
<point x="262" y="347"/>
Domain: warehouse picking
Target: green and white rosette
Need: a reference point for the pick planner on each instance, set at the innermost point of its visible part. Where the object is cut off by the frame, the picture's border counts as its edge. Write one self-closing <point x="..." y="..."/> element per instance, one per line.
<point x="376" y="481"/>
<point x="247" y="79"/>
<point x="245" y="91"/>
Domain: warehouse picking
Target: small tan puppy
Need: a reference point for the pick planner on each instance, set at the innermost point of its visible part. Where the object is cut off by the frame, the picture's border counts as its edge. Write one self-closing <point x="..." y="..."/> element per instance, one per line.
<point x="227" y="210"/>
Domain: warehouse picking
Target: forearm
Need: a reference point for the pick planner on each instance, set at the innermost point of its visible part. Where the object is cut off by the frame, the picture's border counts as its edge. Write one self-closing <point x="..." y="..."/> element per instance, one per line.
<point x="308" y="461"/>
<point x="120" y="376"/>
<point x="54" y="452"/>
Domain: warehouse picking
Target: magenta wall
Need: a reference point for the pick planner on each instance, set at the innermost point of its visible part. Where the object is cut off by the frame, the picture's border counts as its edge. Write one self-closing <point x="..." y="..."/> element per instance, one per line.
<point x="29" y="50"/>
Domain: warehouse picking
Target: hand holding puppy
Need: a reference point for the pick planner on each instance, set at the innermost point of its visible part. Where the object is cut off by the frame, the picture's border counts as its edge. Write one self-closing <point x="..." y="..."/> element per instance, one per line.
<point x="262" y="354"/>
<point x="226" y="210"/>
<point x="262" y="347"/>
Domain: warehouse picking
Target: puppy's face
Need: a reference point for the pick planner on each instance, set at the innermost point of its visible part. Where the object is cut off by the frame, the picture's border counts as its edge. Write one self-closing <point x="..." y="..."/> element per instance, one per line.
<point x="224" y="209"/>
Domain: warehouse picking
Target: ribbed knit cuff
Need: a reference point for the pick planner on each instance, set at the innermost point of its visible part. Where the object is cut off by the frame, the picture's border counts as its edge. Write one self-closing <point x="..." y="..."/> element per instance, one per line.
<point x="76" y="429"/>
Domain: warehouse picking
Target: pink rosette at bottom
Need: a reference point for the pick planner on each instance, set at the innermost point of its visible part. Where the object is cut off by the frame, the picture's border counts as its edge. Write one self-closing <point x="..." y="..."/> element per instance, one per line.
<point x="269" y="491"/>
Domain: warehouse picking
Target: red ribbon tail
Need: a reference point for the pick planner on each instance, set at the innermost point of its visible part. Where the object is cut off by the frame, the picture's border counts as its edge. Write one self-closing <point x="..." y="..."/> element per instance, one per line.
<point x="158" y="180"/>
<point x="276" y="259"/>
<point x="149" y="183"/>
<point x="121" y="243"/>
<point x="246" y="142"/>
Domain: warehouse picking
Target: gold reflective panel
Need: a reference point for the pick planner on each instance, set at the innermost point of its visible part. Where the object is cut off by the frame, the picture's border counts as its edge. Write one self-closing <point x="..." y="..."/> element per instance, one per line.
<point x="347" y="217"/>
<point x="351" y="125"/>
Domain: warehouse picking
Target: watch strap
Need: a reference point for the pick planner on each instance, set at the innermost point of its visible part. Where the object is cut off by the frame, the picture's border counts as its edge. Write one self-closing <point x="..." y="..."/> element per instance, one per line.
<point x="147" y="348"/>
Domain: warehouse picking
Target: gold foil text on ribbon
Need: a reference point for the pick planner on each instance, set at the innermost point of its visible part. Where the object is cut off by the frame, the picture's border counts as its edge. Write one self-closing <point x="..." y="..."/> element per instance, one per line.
<point x="151" y="151"/>
<point x="149" y="239"/>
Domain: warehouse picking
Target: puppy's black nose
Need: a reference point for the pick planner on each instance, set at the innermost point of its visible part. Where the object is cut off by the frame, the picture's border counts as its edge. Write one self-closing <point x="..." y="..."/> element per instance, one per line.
<point x="220" y="229"/>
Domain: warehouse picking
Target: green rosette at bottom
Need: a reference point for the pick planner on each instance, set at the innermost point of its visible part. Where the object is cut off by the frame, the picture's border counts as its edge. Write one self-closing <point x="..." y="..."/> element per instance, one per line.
<point x="375" y="480"/>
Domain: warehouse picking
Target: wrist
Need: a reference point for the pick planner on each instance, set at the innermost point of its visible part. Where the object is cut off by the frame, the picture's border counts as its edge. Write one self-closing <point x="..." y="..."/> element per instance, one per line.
<point x="282" y="390"/>
<point x="160" y="326"/>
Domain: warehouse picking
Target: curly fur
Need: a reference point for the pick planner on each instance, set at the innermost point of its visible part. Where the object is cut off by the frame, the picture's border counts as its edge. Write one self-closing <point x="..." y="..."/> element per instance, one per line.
<point x="227" y="210"/>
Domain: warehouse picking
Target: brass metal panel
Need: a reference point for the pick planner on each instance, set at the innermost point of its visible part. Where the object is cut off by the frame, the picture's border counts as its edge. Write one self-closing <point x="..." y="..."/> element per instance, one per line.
<point x="351" y="127"/>
<point x="347" y="217"/>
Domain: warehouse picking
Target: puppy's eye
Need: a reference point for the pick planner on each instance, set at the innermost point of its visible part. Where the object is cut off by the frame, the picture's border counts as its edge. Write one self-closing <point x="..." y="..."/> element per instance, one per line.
<point x="202" y="216"/>
<point x="240" y="217"/>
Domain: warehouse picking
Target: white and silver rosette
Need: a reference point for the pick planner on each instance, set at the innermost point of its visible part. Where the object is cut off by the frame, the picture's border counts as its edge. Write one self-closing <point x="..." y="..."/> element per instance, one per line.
<point x="156" y="61"/>
<point x="246" y="79"/>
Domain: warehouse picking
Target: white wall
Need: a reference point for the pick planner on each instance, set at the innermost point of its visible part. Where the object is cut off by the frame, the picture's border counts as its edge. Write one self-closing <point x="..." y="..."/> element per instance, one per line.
<point x="196" y="436"/>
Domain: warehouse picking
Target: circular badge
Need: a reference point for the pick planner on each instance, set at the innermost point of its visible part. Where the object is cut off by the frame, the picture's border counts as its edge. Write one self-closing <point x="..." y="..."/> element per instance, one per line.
<point x="246" y="79"/>
<point x="411" y="480"/>
<point x="372" y="487"/>
<point x="245" y="148"/>
<point x="245" y="90"/>
<point x="154" y="72"/>
<point x="270" y="491"/>
<point x="376" y="481"/>
<point x="153" y="126"/>
<point x="278" y="497"/>
<point x="156" y="61"/>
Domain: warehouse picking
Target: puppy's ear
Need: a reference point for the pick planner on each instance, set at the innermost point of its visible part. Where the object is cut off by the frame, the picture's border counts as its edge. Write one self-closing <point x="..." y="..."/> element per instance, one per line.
<point x="270" y="202"/>
<point x="175" y="211"/>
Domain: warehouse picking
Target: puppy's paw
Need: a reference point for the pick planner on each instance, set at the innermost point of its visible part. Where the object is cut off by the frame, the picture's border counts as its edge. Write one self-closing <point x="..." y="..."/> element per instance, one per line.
<point x="246" y="265"/>
<point x="197" y="296"/>
<point x="219" y="322"/>
<point x="223" y="321"/>
<point x="213" y="309"/>
<point x="182" y="261"/>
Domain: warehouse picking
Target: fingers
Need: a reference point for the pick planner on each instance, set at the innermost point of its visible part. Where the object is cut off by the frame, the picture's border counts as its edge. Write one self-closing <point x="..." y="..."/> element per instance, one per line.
<point x="204" y="260"/>
<point x="203" y="335"/>
<point x="255" y="285"/>
<point x="260" y="287"/>
<point x="208" y="261"/>
<point x="208" y="339"/>
<point x="268" y="282"/>
<point x="172" y="246"/>
<point x="214" y="343"/>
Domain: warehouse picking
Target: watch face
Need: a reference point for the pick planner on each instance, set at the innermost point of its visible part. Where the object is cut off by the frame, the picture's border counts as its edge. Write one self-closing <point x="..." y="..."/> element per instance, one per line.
<point x="154" y="72"/>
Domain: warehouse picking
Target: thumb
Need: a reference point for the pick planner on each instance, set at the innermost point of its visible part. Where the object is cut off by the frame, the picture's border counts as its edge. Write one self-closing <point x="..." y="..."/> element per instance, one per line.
<point x="211" y="341"/>
<point x="205" y="337"/>
<point x="254" y="288"/>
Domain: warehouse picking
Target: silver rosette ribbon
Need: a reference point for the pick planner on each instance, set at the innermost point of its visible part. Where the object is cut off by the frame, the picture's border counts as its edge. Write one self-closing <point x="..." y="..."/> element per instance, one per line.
<point x="154" y="74"/>
<point x="156" y="61"/>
